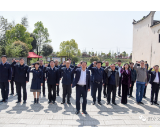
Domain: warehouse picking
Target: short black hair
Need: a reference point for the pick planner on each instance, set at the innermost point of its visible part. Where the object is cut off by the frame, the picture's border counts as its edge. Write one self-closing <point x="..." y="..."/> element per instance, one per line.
<point x="119" y="60"/>
<point x="99" y="62"/>
<point x="4" y="56"/>
<point x="146" y="61"/>
<point x="83" y="62"/>
<point x="68" y="58"/>
<point x="21" y="58"/>
<point x="51" y="61"/>
<point x="156" y="66"/>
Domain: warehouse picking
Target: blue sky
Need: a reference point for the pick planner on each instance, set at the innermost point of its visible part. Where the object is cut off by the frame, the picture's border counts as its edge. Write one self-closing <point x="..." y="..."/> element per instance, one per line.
<point x="93" y="31"/>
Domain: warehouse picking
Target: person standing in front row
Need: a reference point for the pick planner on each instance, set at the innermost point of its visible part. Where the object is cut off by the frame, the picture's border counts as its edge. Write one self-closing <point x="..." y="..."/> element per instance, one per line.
<point x="67" y="80"/>
<point x="52" y="77"/>
<point x="82" y="83"/>
<point x="5" y="78"/>
<point x="141" y="81"/>
<point x="148" y="78"/>
<point x="21" y="77"/>
<point x="155" y="83"/>
<point x="119" y="67"/>
<point x="112" y="81"/>
<point x="37" y="81"/>
<point x="98" y="80"/>
<point x="126" y="82"/>
<point x="133" y="78"/>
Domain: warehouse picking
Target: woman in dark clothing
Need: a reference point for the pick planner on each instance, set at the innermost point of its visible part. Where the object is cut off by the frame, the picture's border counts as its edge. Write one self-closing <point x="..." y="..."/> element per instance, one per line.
<point x="126" y="82"/>
<point x="37" y="81"/>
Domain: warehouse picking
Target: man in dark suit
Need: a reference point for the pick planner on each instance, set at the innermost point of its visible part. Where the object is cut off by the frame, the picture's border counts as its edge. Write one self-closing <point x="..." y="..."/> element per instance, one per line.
<point x="52" y="77"/>
<point x="21" y="77"/>
<point x="98" y="80"/>
<point x="82" y="83"/>
<point x="67" y="80"/>
<point x="43" y="68"/>
<point x="105" y="86"/>
<point x="5" y="78"/>
<point x="155" y="82"/>
<point x="119" y="67"/>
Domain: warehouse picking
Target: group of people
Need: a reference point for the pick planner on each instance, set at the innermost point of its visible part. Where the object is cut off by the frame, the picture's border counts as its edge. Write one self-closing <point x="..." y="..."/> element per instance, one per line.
<point x="84" y="78"/>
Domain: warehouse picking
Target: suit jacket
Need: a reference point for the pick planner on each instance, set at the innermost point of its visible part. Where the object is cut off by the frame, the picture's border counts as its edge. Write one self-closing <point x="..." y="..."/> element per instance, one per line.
<point x="21" y="73"/>
<point x="109" y="72"/>
<point x="77" y="71"/>
<point x="153" y="76"/>
<point x="5" y="72"/>
<point x="98" y="76"/>
<point x="126" y="78"/>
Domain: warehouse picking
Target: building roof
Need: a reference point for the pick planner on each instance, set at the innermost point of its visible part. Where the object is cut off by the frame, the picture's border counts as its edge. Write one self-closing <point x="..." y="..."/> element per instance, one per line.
<point x="144" y="17"/>
<point x="155" y="22"/>
<point x="33" y="55"/>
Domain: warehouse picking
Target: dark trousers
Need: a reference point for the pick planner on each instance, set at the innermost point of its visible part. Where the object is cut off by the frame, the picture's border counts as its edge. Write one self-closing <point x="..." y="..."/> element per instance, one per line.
<point x="92" y="88"/>
<point x="131" y="88"/>
<point x="66" y="91"/>
<point x="154" y="91"/>
<point x="4" y="90"/>
<point x="12" y="85"/>
<point x="95" y="87"/>
<point x="51" y="97"/>
<point x="18" y="87"/>
<point x="111" y="88"/>
<point x="104" y="89"/>
<point x="119" y="87"/>
<point x="81" y="91"/>
<point x="125" y="90"/>
<point x="43" y="87"/>
<point x="57" y="89"/>
<point x="144" y="94"/>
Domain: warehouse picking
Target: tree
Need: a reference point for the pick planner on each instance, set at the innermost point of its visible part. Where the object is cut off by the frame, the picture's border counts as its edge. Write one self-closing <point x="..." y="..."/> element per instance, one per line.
<point x="19" y="33"/>
<point x="24" y="22"/>
<point x="34" y="42"/>
<point x="75" y="59"/>
<point x="69" y="48"/>
<point x="47" y="50"/>
<point x="94" y="58"/>
<point x="124" y="54"/>
<point x="41" y="34"/>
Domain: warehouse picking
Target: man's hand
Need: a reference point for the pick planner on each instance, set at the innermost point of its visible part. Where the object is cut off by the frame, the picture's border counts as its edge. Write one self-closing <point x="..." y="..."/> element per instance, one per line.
<point x="26" y="81"/>
<point x="79" y="65"/>
<point x="45" y="79"/>
<point x="32" y="66"/>
<point x="9" y="80"/>
<point x="94" y="62"/>
<point x="88" y="89"/>
<point x="60" y="79"/>
<point x="41" y="84"/>
<point x="103" y="84"/>
<point x="130" y="85"/>
<point x="64" y="62"/>
<point x="117" y="86"/>
<point x="71" y="84"/>
<point x="145" y="84"/>
<point x="46" y="65"/>
<point x="153" y="67"/>
<point x="57" y="84"/>
<point x="16" y="61"/>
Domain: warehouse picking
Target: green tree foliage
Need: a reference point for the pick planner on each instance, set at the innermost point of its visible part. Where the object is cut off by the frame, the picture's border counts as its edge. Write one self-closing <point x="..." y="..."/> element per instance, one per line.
<point x="41" y="35"/>
<point x="19" y="33"/>
<point x="47" y="50"/>
<point x="69" y="48"/>
<point x="34" y="42"/>
<point x="75" y="59"/>
<point x="24" y="22"/>
<point x="94" y="58"/>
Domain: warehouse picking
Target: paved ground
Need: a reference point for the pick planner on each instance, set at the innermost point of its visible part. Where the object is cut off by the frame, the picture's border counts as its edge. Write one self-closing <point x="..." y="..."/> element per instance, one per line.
<point x="49" y="115"/>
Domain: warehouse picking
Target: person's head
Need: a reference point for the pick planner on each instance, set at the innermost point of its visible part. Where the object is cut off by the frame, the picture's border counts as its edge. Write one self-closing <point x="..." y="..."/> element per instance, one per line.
<point x="21" y="61"/>
<point x="126" y="66"/>
<point x="4" y="58"/>
<point x="69" y="60"/>
<point x="52" y="63"/>
<point x="142" y="63"/>
<point x="107" y="63"/>
<point x="84" y="65"/>
<point x="36" y="65"/>
<point x="145" y="62"/>
<point x="156" y="68"/>
<point x="56" y="62"/>
<point x="112" y="66"/>
<point x="67" y="64"/>
<point x="119" y="62"/>
<point x="131" y="64"/>
<point x="13" y="59"/>
<point x="41" y="62"/>
<point x="94" y="65"/>
<point x="99" y="64"/>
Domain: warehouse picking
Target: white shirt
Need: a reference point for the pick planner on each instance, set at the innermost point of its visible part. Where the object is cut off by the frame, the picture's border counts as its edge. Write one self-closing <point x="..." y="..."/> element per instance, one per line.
<point x="119" y="69"/>
<point x="82" y="79"/>
<point x="156" y="80"/>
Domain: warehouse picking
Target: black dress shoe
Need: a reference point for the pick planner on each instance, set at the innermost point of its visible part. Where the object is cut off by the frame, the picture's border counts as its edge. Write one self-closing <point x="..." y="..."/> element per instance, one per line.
<point x="49" y="102"/>
<point x="99" y="103"/>
<point x="18" y="102"/>
<point x="77" y="112"/>
<point x="44" y="95"/>
<point x="131" y="96"/>
<point x="114" y="103"/>
<point x="151" y="103"/>
<point x="119" y="95"/>
<point x="104" y="96"/>
<point x="53" y="102"/>
<point x="5" y="101"/>
<point x="94" y="103"/>
<point x="108" y="103"/>
<point x="156" y="103"/>
<point x="24" y="102"/>
<point x="37" y="101"/>
<point x="58" y="94"/>
<point x="142" y="103"/>
<point x="69" y="102"/>
<point x="11" y="94"/>
<point x="62" y="102"/>
<point x="2" y="101"/>
<point x="144" y="97"/>
<point x="84" y="112"/>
